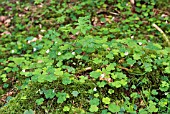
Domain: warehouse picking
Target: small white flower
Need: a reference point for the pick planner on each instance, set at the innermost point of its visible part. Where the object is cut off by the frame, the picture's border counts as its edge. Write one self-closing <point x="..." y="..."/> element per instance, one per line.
<point x="42" y="30"/>
<point x="102" y="75"/>
<point x="12" y="51"/>
<point x="48" y="51"/>
<point x="59" y="53"/>
<point x="113" y="18"/>
<point x="55" y="42"/>
<point x="149" y="41"/>
<point x="166" y="22"/>
<point x="29" y="41"/>
<point x="95" y="89"/>
<point x="132" y="37"/>
<point x="73" y="53"/>
<point x="74" y="63"/>
<point x="126" y="53"/>
<point x="34" y="39"/>
<point x="140" y="43"/>
<point x="23" y="70"/>
<point x="34" y="49"/>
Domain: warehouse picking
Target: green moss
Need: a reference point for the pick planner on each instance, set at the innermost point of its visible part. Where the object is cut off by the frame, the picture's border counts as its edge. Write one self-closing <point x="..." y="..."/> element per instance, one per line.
<point x="25" y="99"/>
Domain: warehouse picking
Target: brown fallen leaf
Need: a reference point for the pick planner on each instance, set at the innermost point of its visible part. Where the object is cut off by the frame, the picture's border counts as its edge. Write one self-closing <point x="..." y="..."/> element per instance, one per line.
<point x="7" y="22"/>
<point x="6" y="33"/>
<point x="3" y="18"/>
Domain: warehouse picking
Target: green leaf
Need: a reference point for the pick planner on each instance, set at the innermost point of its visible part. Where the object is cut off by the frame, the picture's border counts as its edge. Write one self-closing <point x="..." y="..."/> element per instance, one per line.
<point x="51" y="78"/>
<point x="130" y="61"/>
<point x="152" y="108"/>
<point x="116" y="84"/>
<point x="30" y="111"/>
<point x="97" y="60"/>
<point x="154" y="92"/>
<point x="167" y="70"/>
<point x="134" y="95"/>
<point x="94" y="101"/>
<point x="164" y="86"/>
<point x="142" y="111"/>
<point x="110" y="56"/>
<point x="66" y="81"/>
<point x="58" y="72"/>
<point x="114" y="108"/>
<point x="111" y="66"/>
<point x="101" y="84"/>
<point x="106" y="100"/>
<point x="66" y="109"/>
<point x="95" y="74"/>
<point x="49" y="93"/>
<point x="104" y="112"/>
<point x="93" y="108"/>
<point x="111" y="91"/>
<point x="39" y="101"/>
<point x="61" y="97"/>
<point x="75" y="93"/>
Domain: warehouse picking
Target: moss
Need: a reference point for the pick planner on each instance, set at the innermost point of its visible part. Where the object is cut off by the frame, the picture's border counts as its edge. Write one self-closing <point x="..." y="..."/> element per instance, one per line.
<point x="25" y="99"/>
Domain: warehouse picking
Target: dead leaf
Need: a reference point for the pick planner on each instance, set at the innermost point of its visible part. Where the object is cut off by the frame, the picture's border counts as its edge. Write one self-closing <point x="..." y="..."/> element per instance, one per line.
<point x="40" y="37"/>
<point x="6" y="33"/>
<point x="7" y="22"/>
<point x="3" y="18"/>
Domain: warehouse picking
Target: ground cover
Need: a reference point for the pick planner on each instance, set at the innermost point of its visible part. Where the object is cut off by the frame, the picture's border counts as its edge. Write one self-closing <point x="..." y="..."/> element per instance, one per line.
<point x="84" y="57"/>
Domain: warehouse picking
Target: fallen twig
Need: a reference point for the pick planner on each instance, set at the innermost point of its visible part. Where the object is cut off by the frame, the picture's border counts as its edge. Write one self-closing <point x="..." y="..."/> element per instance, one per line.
<point x="161" y="31"/>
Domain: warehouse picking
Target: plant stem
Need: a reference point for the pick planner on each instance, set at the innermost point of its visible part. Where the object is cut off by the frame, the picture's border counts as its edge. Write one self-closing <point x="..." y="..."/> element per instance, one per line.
<point x="161" y="31"/>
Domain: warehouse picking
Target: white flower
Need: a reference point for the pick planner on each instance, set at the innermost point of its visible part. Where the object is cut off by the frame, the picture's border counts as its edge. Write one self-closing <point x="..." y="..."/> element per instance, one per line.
<point x="149" y="41"/>
<point x="42" y="30"/>
<point x="74" y="63"/>
<point x="12" y="51"/>
<point x="59" y="53"/>
<point x="48" y="51"/>
<point x="29" y="41"/>
<point x="73" y="53"/>
<point x="113" y="18"/>
<point x="102" y="75"/>
<point x="34" y="49"/>
<point x="140" y="43"/>
<point x="55" y="42"/>
<point x="126" y="53"/>
<point x="132" y="37"/>
<point x="166" y="22"/>
<point x="23" y="70"/>
<point x="34" y="39"/>
<point x="95" y="89"/>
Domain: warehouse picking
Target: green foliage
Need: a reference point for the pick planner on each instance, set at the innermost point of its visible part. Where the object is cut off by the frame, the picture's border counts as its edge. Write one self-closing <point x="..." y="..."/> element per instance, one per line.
<point x="84" y="57"/>
<point x="30" y="111"/>
<point x="114" y="108"/>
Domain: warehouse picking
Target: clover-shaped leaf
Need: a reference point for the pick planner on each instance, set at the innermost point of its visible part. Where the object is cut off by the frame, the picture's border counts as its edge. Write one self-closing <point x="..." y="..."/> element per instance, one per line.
<point x="66" y="108"/>
<point x="40" y="101"/>
<point x="66" y="81"/>
<point x="106" y="100"/>
<point x="114" y="108"/>
<point x="95" y="74"/>
<point x="75" y="93"/>
<point x="30" y="111"/>
<point x="93" y="108"/>
<point x="94" y="101"/>
<point x="61" y="97"/>
<point x="49" y="93"/>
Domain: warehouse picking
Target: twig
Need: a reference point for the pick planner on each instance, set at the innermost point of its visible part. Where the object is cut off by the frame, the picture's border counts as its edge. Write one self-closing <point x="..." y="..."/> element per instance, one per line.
<point x="161" y="31"/>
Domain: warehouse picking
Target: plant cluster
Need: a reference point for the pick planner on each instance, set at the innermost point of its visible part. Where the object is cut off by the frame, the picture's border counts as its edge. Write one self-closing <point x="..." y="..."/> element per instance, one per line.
<point x="87" y="57"/>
